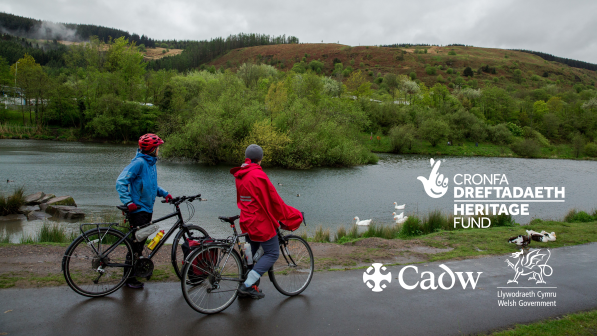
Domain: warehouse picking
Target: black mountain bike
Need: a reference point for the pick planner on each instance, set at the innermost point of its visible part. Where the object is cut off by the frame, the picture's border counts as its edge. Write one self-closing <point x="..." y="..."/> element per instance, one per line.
<point x="99" y="261"/>
<point x="212" y="273"/>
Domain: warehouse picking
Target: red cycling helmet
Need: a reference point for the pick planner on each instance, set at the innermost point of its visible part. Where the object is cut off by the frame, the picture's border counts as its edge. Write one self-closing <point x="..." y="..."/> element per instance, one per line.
<point x="149" y="141"/>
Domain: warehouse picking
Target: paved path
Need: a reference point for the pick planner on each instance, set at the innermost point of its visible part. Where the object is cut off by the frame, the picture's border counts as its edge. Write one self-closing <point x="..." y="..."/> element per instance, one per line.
<point x="334" y="303"/>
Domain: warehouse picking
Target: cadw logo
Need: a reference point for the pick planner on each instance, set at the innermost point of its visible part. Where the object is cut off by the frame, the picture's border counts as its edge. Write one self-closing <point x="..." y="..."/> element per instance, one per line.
<point x="436" y="185"/>
<point x="427" y="279"/>
<point x="374" y="279"/>
<point x="533" y="263"/>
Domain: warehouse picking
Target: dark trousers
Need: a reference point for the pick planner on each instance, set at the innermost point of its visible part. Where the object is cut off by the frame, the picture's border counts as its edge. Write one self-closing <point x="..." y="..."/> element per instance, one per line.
<point x="271" y="251"/>
<point x="137" y="219"/>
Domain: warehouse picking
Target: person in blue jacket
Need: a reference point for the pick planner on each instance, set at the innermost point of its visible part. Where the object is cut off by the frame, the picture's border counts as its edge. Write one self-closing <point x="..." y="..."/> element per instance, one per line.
<point x="137" y="187"/>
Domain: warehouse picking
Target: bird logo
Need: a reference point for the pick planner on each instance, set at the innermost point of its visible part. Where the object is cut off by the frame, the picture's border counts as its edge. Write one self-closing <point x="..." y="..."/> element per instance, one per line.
<point x="437" y="185"/>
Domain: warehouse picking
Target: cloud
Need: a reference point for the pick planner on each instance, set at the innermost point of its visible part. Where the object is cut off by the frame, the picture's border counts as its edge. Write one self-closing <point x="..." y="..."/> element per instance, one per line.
<point x="561" y="28"/>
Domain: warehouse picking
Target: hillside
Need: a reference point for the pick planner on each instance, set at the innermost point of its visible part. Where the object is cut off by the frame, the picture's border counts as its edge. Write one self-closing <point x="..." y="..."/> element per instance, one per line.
<point x="534" y="71"/>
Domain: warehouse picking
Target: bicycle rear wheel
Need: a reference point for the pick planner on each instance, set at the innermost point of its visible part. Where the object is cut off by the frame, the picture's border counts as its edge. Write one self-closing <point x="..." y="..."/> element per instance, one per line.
<point x="177" y="253"/>
<point x="292" y="272"/>
<point x="89" y="273"/>
<point x="210" y="279"/>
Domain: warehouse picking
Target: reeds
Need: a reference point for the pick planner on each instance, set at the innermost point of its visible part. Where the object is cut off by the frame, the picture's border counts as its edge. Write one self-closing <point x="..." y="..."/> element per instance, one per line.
<point x="50" y="233"/>
<point x="11" y="204"/>
<point x="321" y="235"/>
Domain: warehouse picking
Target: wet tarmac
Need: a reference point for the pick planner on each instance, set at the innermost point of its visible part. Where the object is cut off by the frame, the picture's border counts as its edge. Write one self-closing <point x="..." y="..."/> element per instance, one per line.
<point x="335" y="303"/>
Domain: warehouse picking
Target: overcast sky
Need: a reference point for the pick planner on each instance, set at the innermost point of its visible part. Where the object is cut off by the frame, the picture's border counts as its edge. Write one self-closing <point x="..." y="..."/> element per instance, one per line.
<point x="563" y="28"/>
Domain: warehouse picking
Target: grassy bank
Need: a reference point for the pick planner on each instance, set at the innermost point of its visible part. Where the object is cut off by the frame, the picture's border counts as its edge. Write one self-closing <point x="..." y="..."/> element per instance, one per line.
<point x="466" y="148"/>
<point x="584" y="323"/>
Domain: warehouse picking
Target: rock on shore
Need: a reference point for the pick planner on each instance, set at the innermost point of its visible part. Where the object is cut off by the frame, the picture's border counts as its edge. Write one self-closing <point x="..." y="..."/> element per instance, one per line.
<point x="61" y="207"/>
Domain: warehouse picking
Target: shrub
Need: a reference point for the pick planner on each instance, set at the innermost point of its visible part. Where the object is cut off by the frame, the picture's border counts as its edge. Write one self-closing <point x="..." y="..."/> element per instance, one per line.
<point x="500" y="134"/>
<point x="591" y="149"/>
<point x="11" y="204"/>
<point x="575" y="216"/>
<point x="440" y="79"/>
<point x="468" y="72"/>
<point x="451" y="85"/>
<point x="434" y="131"/>
<point x="402" y="138"/>
<point x="378" y="80"/>
<point x="361" y="64"/>
<point x="435" y="221"/>
<point x="413" y="75"/>
<point x="370" y="73"/>
<point x="431" y="70"/>
<point x="578" y="144"/>
<point x="352" y="62"/>
<point x="450" y="71"/>
<point x="527" y="148"/>
<point x="316" y="66"/>
<point x="515" y="129"/>
<point x="411" y="227"/>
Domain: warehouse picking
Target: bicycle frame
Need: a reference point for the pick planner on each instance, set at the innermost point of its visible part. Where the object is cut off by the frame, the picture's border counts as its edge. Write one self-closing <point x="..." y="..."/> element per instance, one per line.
<point x="233" y="241"/>
<point x="178" y="225"/>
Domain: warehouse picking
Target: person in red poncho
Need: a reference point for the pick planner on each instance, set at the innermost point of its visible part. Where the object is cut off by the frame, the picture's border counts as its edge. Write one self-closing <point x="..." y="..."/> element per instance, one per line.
<point x="260" y="210"/>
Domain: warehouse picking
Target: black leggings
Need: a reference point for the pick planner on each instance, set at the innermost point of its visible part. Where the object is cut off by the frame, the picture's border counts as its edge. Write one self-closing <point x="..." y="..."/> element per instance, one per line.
<point x="137" y="219"/>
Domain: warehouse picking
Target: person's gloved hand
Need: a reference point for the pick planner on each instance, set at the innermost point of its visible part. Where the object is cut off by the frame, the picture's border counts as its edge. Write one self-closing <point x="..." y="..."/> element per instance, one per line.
<point x="132" y="207"/>
<point x="168" y="198"/>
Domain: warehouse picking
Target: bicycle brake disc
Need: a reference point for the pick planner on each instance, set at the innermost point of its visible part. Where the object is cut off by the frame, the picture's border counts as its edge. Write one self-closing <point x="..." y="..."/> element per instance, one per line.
<point x="143" y="268"/>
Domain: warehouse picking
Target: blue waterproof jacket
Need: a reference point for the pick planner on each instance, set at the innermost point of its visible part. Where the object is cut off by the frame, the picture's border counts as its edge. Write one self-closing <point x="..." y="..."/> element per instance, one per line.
<point x="138" y="183"/>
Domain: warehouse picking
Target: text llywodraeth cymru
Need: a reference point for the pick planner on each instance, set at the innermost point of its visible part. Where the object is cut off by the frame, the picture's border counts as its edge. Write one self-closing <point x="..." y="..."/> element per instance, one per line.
<point x="513" y="299"/>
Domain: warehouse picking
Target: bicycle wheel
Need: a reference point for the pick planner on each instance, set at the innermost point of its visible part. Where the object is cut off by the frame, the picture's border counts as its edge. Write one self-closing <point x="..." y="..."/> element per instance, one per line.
<point x="89" y="273"/>
<point x="177" y="253"/>
<point x="292" y="272"/>
<point x="211" y="278"/>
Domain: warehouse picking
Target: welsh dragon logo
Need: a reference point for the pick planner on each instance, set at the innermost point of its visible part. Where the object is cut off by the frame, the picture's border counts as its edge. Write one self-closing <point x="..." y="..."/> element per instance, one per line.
<point x="533" y="263"/>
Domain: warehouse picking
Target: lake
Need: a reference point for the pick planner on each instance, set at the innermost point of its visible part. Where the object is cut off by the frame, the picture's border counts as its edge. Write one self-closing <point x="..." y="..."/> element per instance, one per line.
<point x="329" y="196"/>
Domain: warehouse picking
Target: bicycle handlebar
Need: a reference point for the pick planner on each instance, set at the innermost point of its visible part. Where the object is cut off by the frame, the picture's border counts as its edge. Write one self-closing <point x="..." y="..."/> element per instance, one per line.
<point x="180" y="199"/>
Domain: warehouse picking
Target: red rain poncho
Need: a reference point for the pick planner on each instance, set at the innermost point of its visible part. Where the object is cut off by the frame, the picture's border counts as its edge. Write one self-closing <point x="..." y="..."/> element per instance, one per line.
<point x="260" y="205"/>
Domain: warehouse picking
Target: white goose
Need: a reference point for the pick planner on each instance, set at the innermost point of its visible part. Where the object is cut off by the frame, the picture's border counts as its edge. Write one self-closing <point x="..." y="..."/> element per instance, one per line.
<point x="401" y="220"/>
<point x="397" y="217"/>
<point x="399" y="207"/>
<point x="549" y="236"/>
<point x="362" y="222"/>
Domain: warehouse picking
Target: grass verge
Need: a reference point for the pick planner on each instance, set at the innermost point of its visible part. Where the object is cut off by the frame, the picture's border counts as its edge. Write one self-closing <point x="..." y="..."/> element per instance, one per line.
<point x="584" y="323"/>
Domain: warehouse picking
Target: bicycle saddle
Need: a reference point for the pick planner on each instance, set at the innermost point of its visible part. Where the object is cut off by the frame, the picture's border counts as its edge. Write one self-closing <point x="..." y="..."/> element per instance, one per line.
<point x="123" y="208"/>
<point x="228" y="219"/>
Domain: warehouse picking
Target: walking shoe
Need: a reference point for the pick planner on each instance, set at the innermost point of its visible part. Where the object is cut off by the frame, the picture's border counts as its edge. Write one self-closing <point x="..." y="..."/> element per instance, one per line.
<point x="134" y="283"/>
<point x="252" y="292"/>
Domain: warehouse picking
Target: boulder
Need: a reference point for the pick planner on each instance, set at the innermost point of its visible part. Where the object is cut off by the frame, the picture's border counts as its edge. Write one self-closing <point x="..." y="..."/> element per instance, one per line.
<point x="46" y="198"/>
<point x="34" y="199"/>
<point x="38" y="215"/>
<point x="26" y="210"/>
<point x="64" y="211"/>
<point x="13" y="217"/>
<point x="62" y="200"/>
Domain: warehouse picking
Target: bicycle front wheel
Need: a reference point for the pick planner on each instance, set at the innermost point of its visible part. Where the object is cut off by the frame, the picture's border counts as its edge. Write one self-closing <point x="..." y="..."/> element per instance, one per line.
<point x="88" y="271"/>
<point x="210" y="279"/>
<point x="189" y="231"/>
<point x="292" y="272"/>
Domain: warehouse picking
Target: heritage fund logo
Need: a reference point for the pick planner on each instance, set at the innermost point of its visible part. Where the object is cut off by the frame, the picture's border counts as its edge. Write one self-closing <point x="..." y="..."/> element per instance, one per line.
<point x="533" y="265"/>
<point x="436" y="185"/>
<point x="477" y="197"/>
